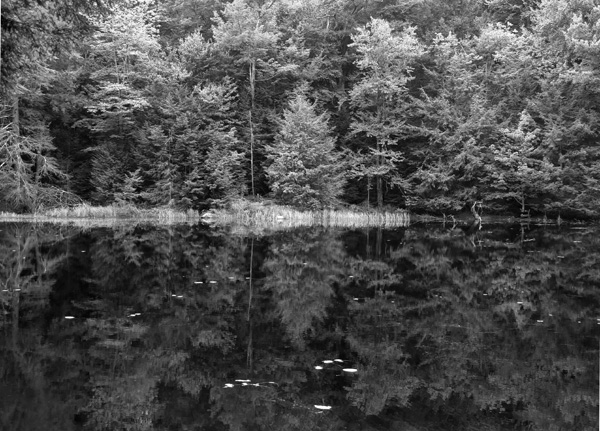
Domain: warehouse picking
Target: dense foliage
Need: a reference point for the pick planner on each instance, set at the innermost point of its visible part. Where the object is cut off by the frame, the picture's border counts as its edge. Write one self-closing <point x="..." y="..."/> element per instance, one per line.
<point x="429" y="105"/>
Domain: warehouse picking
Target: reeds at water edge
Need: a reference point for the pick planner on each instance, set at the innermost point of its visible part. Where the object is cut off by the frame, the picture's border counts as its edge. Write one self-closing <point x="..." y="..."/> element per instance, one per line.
<point x="277" y="216"/>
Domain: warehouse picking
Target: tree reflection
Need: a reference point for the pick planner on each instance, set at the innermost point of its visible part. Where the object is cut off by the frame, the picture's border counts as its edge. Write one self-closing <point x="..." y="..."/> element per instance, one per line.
<point x="301" y="269"/>
<point x="442" y="334"/>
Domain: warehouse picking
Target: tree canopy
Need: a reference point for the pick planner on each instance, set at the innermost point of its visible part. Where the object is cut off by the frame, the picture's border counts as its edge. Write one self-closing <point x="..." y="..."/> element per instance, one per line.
<point x="427" y="105"/>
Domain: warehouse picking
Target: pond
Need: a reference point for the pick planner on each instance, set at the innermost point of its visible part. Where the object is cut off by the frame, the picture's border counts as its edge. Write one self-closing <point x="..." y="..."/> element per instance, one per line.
<point x="193" y="328"/>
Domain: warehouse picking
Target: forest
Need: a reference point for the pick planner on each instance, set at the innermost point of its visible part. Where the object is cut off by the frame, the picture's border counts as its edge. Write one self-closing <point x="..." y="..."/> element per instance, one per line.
<point x="427" y="105"/>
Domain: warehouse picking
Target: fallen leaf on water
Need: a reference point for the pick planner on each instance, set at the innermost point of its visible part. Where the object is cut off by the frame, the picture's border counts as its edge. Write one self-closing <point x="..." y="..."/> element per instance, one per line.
<point x="322" y="407"/>
<point x="350" y="370"/>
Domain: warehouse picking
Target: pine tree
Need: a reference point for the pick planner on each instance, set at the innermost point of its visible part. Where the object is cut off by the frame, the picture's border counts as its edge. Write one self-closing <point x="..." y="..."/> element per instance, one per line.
<point x="305" y="170"/>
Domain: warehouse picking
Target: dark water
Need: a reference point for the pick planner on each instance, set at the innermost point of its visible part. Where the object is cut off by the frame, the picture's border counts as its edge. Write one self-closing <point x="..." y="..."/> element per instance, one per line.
<point x="145" y="328"/>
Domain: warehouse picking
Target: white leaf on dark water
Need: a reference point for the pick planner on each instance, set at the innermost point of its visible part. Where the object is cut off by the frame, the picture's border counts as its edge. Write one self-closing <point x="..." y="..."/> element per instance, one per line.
<point x="322" y="407"/>
<point x="69" y="317"/>
<point x="328" y="361"/>
<point x="350" y="370"/>
<point x="318" y="367"/>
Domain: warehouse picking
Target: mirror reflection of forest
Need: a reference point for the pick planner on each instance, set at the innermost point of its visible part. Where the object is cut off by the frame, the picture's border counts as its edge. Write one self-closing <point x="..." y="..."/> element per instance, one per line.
<point x="186" y="328"/>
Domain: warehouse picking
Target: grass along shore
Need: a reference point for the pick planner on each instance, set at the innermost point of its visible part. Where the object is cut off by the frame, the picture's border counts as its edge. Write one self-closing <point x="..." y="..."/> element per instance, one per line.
<point x="238" y="213"/>
<point x="249" y="213"/>
<point x="110" y="213"/>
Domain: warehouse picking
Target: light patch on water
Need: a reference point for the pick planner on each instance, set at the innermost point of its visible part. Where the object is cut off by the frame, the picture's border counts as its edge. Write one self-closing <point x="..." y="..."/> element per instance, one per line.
<point x="350" y="370"/>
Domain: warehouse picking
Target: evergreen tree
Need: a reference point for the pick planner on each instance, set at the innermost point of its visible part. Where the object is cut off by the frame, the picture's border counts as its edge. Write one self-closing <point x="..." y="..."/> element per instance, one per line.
<point x="305" y="170"/>
<point x="381" y="97"/>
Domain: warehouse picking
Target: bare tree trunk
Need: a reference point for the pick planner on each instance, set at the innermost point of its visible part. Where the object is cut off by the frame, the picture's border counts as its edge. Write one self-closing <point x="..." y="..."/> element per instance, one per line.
<point x="379" y="192"/>
<point x="368" y="193"/>
<point x="252" y="77"/>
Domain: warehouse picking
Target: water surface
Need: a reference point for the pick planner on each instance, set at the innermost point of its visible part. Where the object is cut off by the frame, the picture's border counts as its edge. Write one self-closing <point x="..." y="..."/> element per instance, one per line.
<point x="188" y="328"/>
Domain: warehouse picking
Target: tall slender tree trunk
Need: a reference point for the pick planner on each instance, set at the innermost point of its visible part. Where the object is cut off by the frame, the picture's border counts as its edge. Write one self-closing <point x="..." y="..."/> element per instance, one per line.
<point x="380" y="119"/>
<point x="379" y="179"/>
<point x="252" y="77"/>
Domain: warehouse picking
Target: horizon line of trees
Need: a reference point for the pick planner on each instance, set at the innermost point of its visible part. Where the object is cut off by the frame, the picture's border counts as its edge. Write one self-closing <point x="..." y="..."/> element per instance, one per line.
<point x="428" y="105"/>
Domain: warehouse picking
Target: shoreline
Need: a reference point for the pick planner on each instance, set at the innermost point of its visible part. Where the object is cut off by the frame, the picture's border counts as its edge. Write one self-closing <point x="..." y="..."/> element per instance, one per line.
<point x="250" y="213"/>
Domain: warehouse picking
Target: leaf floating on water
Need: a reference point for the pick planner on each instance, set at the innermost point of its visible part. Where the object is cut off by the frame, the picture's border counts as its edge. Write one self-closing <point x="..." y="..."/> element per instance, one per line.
<point x="69" y="317"/>
<point x="198" y="282"/>
<point x="350" y="370"/>
<point x="322" y="407"/>
<point x="244" y="384"/>
<point x="212" y="282"/>
<point x="519" y="302"/>
<point x="173" y="294"/>
<point x="328" y="361"/>
<point x="228" y="385"/>
<point x="540" y="321"/>
<point x="318" y="367"/>
<point x="242" y="380"/>
<point x="180" y="296"/>
<point x="356" y="299"/>
<point x="338" y="360"/>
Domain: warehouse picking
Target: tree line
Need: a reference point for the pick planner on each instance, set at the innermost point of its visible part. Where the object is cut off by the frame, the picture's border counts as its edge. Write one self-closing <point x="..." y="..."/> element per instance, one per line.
<point x="428" y="105"/>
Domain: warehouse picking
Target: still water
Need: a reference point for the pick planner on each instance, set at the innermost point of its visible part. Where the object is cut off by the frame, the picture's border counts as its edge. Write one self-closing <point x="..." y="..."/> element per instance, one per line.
<point x="191" y="328"/>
